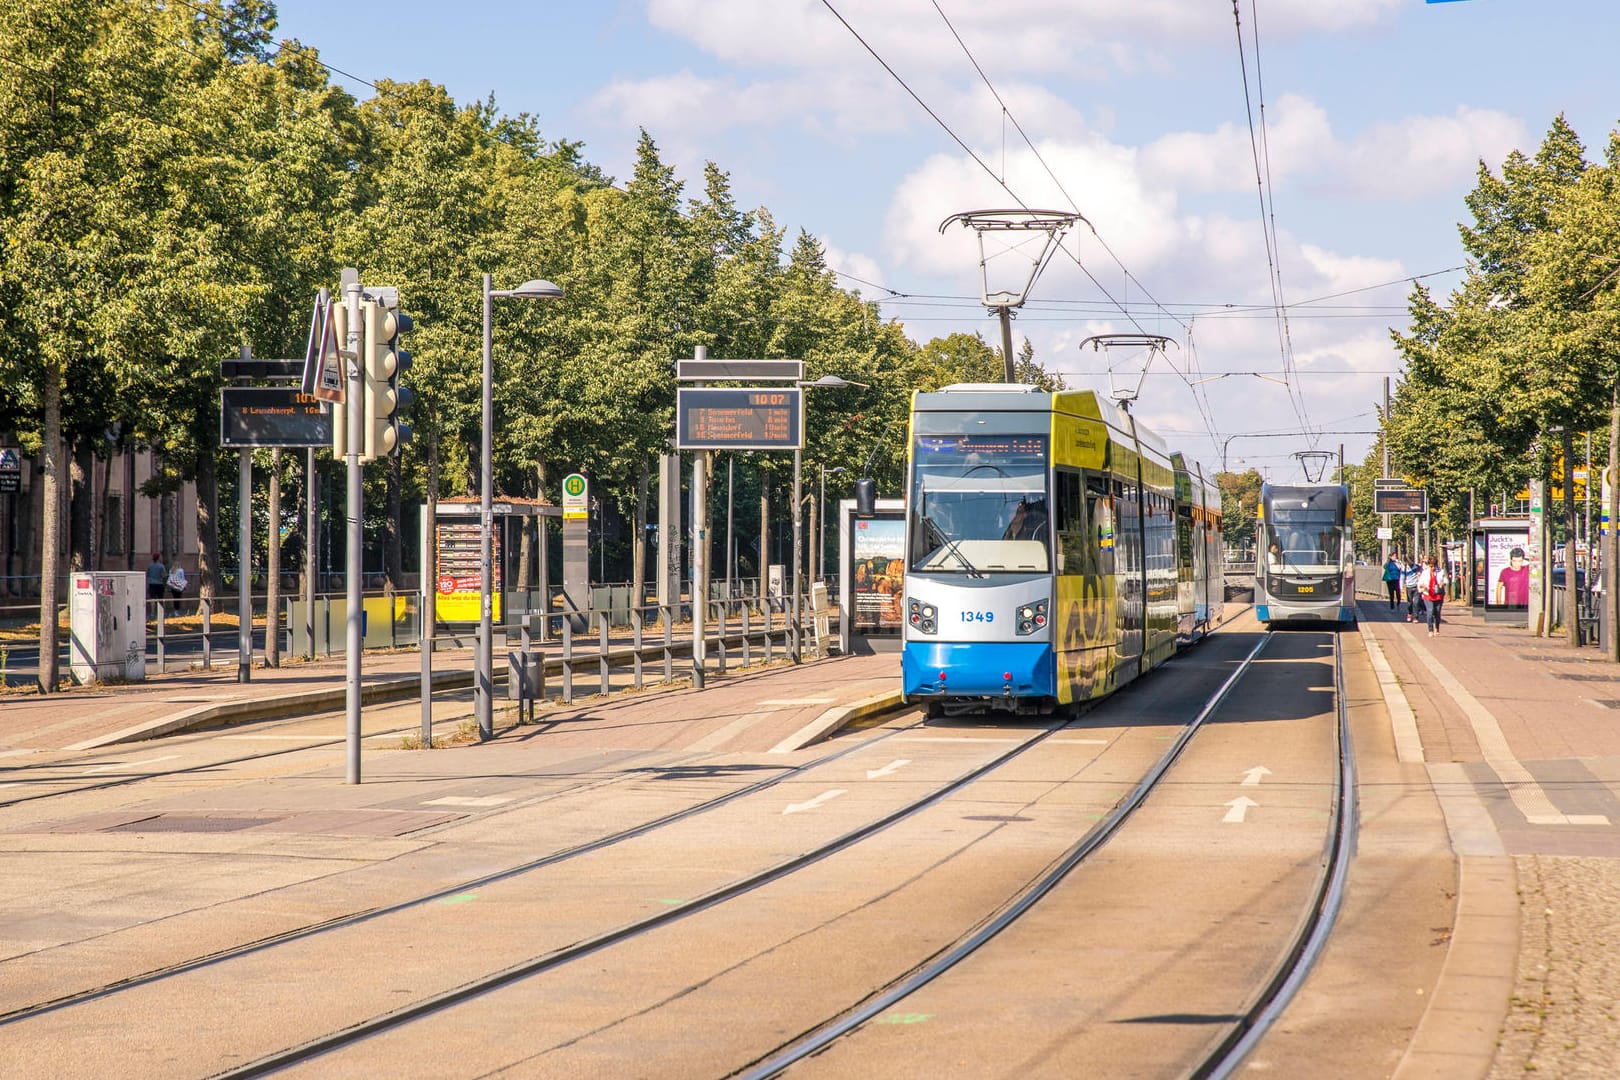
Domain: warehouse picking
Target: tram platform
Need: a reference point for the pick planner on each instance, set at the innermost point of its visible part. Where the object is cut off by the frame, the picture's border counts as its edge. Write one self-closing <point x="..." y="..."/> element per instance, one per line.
<point x="1520" y="738"/>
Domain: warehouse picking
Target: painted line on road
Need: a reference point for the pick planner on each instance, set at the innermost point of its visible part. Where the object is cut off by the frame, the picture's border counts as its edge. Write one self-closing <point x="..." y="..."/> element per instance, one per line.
<point x="1522" y="787"/>
<point x="1402" y="721"/>
<point x="131" y="764"/>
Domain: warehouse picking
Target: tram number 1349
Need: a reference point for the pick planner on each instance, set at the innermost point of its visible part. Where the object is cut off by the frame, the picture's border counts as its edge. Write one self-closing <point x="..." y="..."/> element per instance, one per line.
<point x="978" y="616"/>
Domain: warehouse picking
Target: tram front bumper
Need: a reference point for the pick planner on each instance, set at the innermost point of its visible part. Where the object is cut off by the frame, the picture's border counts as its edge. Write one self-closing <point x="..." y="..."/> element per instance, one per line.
<point x="978" y="669"/>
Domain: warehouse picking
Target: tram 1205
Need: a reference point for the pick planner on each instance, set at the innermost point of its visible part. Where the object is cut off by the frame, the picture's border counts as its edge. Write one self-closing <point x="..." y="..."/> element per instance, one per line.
<point x="1055" y="550"/>
<point x="1307" y="568"/>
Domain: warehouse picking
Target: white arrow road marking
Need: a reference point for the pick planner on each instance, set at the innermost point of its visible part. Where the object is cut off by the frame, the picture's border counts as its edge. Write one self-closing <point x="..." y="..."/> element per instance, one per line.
<point x="132" y="764"/>
<point x="1251" y="777"/>
<point x="825" y="796"/>
<point x="892" y="767"/>
<point x="1239" y="807"/>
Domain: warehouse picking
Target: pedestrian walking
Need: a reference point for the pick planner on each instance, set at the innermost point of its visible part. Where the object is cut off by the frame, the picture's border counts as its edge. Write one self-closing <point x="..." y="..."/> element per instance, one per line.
<point x="1392" y="580"/>
<point x="157" y="576"/>
<point x="1409" y="582"/>
<point x="1432" y="584"/>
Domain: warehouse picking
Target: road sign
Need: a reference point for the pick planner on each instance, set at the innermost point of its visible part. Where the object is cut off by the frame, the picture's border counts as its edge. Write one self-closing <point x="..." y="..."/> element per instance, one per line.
<point x="746" y="418"/>
<point x="576" y="500"/>
<point x="272" y="416"/>
<point x="324" y="375"/>
<point x="752" y="370"/>
<point x="1400" y="501"/>
<point x="1385" y="534"/>
<point x="10" y="471"/>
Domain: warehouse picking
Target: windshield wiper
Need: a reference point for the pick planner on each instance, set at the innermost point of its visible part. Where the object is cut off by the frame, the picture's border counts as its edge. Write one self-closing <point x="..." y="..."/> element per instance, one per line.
<point x="951" y="546"/>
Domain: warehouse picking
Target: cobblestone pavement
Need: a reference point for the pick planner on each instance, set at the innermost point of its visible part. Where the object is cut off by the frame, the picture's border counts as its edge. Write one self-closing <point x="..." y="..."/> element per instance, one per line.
<point x="1564" y="1017"/>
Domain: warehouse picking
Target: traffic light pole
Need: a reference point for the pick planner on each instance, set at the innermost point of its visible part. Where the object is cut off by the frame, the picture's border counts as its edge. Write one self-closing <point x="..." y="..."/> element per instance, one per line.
<point x="355" y="516"/>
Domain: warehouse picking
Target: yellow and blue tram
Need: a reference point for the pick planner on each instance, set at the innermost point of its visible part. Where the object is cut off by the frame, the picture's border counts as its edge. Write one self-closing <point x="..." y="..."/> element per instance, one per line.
<point x="1307" y="568"/>
<point x="1055" y="549"/>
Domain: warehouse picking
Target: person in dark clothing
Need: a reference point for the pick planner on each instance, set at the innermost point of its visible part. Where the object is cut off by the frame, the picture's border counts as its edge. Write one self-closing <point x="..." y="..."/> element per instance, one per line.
<point x="1392" y="581"/>
<point x="157" y="576"/>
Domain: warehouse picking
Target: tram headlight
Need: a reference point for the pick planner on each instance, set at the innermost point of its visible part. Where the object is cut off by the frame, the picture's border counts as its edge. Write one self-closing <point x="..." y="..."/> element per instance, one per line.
<point x="1032" y="617"/>
<point x="924" y="618"/>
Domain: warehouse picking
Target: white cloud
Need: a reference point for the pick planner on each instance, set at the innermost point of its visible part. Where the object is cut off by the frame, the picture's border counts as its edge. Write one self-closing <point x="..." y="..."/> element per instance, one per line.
<point x="1428" y="155"/>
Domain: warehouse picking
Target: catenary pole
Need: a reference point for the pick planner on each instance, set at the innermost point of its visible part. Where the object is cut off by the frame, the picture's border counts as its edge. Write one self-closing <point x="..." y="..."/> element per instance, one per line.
<point x="354" y="519"/>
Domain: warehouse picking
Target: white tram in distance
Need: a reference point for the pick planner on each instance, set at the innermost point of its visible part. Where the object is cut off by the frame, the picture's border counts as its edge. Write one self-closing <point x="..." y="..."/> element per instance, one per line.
<point x="1055" y="550"/>
<point x="1306" y="570"/>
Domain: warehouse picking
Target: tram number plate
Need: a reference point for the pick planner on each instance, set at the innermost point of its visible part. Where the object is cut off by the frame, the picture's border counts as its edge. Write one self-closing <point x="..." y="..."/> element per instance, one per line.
<point x="1307" y="588"/>
<point x="978" y="616"/>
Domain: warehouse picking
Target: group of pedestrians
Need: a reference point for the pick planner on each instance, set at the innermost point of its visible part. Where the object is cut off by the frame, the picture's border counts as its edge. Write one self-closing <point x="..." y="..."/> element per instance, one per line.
<point x="1424" y="585"/>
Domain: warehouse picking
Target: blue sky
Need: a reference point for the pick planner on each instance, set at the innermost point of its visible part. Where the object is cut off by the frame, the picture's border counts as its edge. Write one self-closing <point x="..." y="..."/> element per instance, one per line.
<point x="1376" y="113"/>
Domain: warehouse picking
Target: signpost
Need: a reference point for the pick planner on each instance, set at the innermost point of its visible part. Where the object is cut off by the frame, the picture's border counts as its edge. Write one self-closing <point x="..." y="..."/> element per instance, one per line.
<point x="10" y="472"/>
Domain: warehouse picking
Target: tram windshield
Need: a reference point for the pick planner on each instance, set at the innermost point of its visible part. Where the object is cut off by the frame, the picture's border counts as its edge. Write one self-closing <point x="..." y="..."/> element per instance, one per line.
<point x="979" y="504"/>
<point x="1308" y="541"/>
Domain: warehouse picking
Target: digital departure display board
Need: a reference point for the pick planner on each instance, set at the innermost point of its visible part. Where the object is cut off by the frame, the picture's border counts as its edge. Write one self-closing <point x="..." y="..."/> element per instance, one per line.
<point x="1400" y="501"/>
<point x="745" y="418"/>
<point x="271" y="416"/>
<point x="1002" y="449"/>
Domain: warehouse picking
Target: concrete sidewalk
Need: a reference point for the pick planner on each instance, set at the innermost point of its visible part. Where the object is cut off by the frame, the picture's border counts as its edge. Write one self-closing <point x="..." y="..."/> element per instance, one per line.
<point x="1520" y="737"/>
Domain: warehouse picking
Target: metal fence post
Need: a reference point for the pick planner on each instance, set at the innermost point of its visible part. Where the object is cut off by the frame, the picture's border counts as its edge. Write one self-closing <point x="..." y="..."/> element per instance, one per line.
<point x="602" y="651"/>
<point x="635" y="629"/>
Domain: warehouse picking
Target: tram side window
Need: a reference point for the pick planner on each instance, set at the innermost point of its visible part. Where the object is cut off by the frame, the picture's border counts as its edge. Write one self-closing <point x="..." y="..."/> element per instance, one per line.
<point x="1074" y="540"/>
<point x="1100" y="518"/>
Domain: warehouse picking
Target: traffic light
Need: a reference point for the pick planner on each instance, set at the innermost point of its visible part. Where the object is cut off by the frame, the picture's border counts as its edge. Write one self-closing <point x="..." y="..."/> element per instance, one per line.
<point x="383" y="397"/>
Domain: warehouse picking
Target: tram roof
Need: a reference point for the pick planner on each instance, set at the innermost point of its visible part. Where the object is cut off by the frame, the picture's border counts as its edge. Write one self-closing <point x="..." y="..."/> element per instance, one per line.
<point x="1022" y="397"/>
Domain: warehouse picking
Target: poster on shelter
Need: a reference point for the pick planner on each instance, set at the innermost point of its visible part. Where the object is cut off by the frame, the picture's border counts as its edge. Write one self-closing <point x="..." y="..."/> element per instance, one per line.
<point x="1507" y="571"/>
<point x="879" y="573"/>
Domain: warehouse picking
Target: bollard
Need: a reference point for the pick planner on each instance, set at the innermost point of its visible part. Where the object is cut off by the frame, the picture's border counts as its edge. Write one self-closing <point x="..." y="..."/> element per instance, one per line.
<point x="602" y="651"/>
<point x="427" y="692"/>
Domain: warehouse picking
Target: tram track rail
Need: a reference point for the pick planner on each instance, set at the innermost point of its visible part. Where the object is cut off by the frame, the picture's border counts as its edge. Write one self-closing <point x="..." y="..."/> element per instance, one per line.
<point x="556" y="957"/>
<point x="324" y="926"/>
<point x="430" y="1006"/>
<point x="814" y="1042"/>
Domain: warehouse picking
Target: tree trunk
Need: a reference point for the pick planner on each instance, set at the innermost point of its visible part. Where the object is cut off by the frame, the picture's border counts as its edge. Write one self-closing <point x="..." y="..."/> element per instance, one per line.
<point x="50" y="533"/>
<point x="272" y="567"/>
<point x="103" y="523"/>
<point x="638" y="546"/>
<point x="207" y="528"/>
<point x="392" y="542"/>
<point x="82" y="504"/>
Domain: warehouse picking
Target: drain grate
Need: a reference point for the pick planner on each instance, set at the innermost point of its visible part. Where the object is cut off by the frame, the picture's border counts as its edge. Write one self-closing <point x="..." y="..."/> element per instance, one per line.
<point x="190" y="824"/>
<point x="1607" y="703"/>
<point x="1574" y="677"/>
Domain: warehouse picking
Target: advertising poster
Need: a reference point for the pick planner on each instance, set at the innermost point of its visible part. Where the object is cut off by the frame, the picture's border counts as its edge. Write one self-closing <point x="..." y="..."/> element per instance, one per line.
<point x="878" y="572"/>
<point x="460" y="573"/>
<point x="1507" y="571"/>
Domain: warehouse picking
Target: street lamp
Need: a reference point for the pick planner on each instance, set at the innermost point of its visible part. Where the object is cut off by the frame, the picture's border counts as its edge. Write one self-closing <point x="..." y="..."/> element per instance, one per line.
<point x="484" y="678"/>
<point x="826" y="382"/>
<point x="821" y="540"/>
